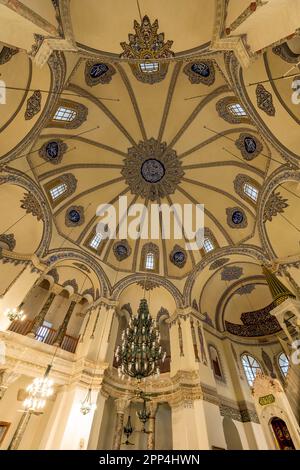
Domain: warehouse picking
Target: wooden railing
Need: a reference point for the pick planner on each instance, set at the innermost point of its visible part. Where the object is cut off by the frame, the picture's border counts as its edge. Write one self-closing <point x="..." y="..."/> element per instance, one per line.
<point x="44" y="334"/>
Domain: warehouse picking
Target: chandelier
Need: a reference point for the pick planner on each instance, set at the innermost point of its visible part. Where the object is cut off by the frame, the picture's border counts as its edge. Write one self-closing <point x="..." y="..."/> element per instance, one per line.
<point x="86" y="405"/>
<point x="38" y="392"/>
<point x="15" y="314"/>
<point x="140" y="354"/>
<point x="144" y="415"/>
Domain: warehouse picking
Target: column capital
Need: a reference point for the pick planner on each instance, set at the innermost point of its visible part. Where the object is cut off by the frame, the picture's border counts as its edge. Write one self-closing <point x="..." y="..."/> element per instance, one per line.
<point x="121" y="405"/>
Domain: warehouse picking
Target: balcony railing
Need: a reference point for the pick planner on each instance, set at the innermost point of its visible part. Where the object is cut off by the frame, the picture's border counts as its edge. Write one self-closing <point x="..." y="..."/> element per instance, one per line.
<point x="44" y="334"/>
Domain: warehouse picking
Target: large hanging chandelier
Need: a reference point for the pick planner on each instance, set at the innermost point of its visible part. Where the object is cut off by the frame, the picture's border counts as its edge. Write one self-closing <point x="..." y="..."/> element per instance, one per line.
<point x="140" y="354"/>
<point x="38" y="392"/>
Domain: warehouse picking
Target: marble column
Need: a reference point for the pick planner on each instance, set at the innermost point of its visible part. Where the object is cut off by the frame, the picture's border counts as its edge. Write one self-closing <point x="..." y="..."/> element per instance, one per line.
<point x="39" y="319"/>
<point x="152" y="407"/>
<point x="121" y="406"/>
<point x="62" y="330"/>
<point x="21" y="428"/>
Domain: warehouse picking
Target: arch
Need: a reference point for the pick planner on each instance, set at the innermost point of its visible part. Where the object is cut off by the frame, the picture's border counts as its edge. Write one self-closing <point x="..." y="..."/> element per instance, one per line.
<point x="157" y="280"/>
<point x="20" y="179"/>
<point x="216" y="362"/>
<point x="60" y="188"/>
<point x="68" y="114"/>
<point x="54" y="256"/>
<point x="249" y="250"/>
<point x="231" y="434"/>
<point x="251" y="366"/>
<point x="150" y="258"/>
<point x="281" y="433"/>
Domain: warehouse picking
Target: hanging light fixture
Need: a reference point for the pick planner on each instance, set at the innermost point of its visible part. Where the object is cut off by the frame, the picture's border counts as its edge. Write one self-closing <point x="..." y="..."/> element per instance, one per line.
<point x="86" y="404"/>
<point x="15" y="314"/>
<point x="140" y="354"/>
<point x="143" y="415"/>
<point x="38" y="392"/>
<point x="128" y="430"/>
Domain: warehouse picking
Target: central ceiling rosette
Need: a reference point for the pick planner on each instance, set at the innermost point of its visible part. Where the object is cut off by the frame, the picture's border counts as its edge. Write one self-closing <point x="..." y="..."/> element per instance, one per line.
<point x="152" y="170"/>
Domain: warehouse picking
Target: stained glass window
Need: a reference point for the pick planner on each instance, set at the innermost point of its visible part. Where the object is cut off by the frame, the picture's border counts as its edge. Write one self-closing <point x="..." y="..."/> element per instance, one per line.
<point x="251" y="367"/>
<point x="149" y="264"/>
<point x="283" y="363"/>
<point x="74" y="216"/>
<point x="96" y="240"/>
<point x="58" y="190"/>
<point x="149" y="67"/>
<point x="64" y="114"/>
<point x="237" y="110"/>
<point x="52" y="149"/>
<point x="97" y="70"/>
<point x="250" y="144"/>
<point x="251" y="191"/>
<point x="237" y="217"/>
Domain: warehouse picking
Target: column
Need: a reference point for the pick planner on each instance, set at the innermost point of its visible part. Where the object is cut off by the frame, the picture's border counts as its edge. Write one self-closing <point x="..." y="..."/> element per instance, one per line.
<point x="152" y="407"/>
<point x="121" y="406"/>
<point x="62" y="330"/>
<point x="16" y="293"/>
<point x="189" y="428"/>
<point x="39" y="319"/>
<point x="21" y="428"/>
<point x="96" y="426"/>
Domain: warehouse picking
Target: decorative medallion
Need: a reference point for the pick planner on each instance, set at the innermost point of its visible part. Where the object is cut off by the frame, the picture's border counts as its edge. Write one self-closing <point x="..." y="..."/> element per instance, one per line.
<point x="249" y="146"/>
<point x="200" y="72"/>
<point x="8" y="240"/>
<point x="178" y="256"/>
<point x="6" y="54"/>
<point x="218" y="263"/>
<point x="265" y="100"/>
<point x="53" y="151"/>
<point x="246" y="289"/>
<point x="147" y="48"/>
<point x="32" y="206"/>
<point x="231" y="273"/>
<point x="266" y="400"/>
<point x="223" y="109"/>
<point x="98" y="73"/>
<point x="33" y="105"/>
<point x="274" y="205"/>
<point x="71" y="283"/>
<point x="152" y="170"/>
<point x="74" y="216"/>
<point x="236" y="217"/>
<point x="121" y="250"/>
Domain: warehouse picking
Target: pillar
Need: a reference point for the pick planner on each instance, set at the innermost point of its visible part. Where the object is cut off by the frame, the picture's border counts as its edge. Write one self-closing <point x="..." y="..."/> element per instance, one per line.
<point x="121" y="406"/>
<point x="16" y="293"/>
<point x="21" y="428"/>
<point x="189" y="430"/>
<point x="152" y="407"/>
<point x="39" y="319"/>
<point x="96" y="426"/>
<point x="62" y="330"/>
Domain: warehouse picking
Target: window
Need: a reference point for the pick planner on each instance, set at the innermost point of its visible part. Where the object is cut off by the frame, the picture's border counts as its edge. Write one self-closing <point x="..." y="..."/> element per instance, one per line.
<point x="236" y="109"/>
<point x="208" y="245"/>
<point x="251" y="367"/>
<point x="96" y="240"/>
<point x="58" y="190"/>
<point x="64" y="114"/>
<point x="149" y="264"/>
<point x="43" y="331"/>
<point x="251" y="191"/>
<point x="284" y="364"/>
<point x="149" y="67"/>
<point x="215" y="362"/>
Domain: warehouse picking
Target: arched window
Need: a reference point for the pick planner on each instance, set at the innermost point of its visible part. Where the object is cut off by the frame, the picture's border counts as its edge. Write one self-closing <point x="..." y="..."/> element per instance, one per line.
<point x="64" y="114"/>
<point x="236" y="109"/>
<point x="60" y="188"/>
<point x="284" y="364"/>
<point x="215" y="362"/>
<point x="96" y="240"/>
<point x="150" y="258"/>
<point x="69" y="114"/>
<point x="149" y="67"/>
<point x="251" y="191"/>
<point x="208" y="245"/>
<point x="251" y="367"/>
<point x="150" y="261"/>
